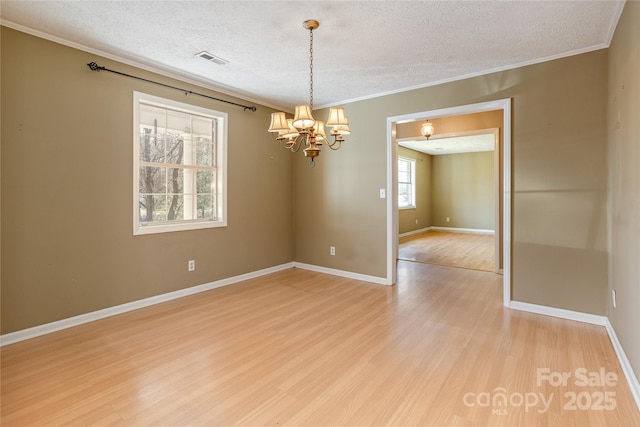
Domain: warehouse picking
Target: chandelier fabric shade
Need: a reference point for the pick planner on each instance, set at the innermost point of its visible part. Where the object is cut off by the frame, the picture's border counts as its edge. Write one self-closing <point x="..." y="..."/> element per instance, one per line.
<point x="303" y="129"/>
<point x="278" y="122"/>
<point x="336" y="117"/>
<point x="320" y="132"/>
<point x="303" y="118"/>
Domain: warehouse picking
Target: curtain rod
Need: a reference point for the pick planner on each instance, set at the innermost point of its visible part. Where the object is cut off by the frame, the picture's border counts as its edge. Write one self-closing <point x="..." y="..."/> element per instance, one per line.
<point x="96" y="67"/>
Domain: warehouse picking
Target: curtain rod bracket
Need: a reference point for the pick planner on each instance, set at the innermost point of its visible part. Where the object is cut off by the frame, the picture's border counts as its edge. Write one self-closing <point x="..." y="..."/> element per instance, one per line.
<point x="95" y="67"/>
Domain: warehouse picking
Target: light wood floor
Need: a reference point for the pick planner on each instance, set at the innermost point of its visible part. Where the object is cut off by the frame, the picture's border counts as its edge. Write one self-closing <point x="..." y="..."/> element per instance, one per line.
<point x="463" y="250"/>
<point x="304" y="348"/>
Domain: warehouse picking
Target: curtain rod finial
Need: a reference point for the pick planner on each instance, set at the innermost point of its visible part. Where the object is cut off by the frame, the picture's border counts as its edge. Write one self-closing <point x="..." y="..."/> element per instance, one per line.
<point x="94" y="66"/>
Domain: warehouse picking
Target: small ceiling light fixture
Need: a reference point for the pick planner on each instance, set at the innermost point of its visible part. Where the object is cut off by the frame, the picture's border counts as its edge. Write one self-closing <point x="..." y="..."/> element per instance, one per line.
<point x="303" y="128"/>
<point x="427" y="129"/>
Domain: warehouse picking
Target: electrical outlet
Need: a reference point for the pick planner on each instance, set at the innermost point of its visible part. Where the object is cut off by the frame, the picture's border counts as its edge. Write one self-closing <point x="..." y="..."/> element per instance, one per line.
<point x="332" y="250"/>
<point x="448" y="219"/>
<point x="613" y="298"/>
<point x="416" y="220"/>
<point x="191" y="265"/>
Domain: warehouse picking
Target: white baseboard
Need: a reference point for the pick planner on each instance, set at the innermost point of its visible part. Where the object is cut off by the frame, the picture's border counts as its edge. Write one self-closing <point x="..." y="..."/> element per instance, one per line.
<point x="559" y="312"/>
<point x="411" y="233"/>
<point x="629" y="374"/>
<point x="464" y="230"/>
<point x="342" y="273"/>
<point x="48" y="328"/>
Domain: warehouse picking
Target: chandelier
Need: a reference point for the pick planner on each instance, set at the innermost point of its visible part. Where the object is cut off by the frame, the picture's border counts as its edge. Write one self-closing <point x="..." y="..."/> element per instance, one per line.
<point x="303" y="129"/>
<point x="427" y="129"/>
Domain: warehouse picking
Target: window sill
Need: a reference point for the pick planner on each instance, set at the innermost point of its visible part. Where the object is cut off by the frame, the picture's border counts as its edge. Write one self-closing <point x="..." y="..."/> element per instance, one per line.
<point x="184" y="226"/>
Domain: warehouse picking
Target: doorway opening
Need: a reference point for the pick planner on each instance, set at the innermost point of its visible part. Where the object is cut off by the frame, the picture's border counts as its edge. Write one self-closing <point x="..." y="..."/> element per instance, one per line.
<point x="502" y="186"/>
<point x="452" y="220"/>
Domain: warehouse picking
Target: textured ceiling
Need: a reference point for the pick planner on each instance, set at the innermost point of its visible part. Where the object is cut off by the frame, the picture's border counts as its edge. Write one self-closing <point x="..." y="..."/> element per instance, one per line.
<point x="451" y="144"/>
<point x="361" y="49"/>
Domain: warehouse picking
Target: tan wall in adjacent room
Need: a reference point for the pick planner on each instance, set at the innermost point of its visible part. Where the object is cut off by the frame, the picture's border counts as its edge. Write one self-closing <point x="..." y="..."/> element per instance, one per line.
<point x="67" y="243"/>
<point x="463" y="191"/>
<point x="624" y="180"/>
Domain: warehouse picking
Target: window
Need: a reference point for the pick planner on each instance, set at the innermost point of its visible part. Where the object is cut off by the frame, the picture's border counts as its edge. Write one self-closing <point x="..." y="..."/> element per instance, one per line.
<point x="406" y="183"/>
<point x="179" y="167"/>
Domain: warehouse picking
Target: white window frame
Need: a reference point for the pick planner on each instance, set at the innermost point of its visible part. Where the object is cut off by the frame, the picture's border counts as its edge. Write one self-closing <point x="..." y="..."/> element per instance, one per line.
<point x="221" y="118"/>
<point x="412" y="184"/>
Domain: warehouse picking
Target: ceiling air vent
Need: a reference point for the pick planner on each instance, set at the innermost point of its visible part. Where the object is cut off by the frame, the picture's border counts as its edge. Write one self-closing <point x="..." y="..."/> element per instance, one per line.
<point x="211" y="57"/>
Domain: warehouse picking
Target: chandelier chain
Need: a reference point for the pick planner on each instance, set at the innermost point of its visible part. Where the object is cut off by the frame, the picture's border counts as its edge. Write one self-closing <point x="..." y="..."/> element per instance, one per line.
<point x="311" y="69"/>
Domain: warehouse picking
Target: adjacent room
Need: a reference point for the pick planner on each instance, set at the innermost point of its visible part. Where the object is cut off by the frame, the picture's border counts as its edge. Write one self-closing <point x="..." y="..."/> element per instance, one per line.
<point x="449" y="191"/>
<point x="216" y="213"/>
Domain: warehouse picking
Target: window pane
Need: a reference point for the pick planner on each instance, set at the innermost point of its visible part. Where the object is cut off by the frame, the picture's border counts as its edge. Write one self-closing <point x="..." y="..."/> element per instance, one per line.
<point x="150" y="115"/>
<point x="404" y="195"/>
<point x="202" y="127"/>
<point x="404" y="170"/>
<point x="151" y="145"/>
<point x="175" y="210"/>
<point x="178" y="123"/>
<point x="204" y="152"/>
<point x="175" y="181"/>
<point x="153" y="179"/>
<point x="205" y="206"/>
<point x="153" y="208"/>
<point x="175" y="149"/>
<point x="204" y="180"/>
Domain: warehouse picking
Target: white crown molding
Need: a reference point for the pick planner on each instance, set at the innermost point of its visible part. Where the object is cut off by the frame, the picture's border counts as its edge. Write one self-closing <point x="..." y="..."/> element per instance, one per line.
<point x="147" y="65"/>
<point x="70" y="322"/>
<point x="614" y="21"/>
<point x="468" y="76"/>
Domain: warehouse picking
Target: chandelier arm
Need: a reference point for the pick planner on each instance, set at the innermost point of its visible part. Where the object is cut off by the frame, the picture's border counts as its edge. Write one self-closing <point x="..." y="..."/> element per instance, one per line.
<point x="335" y="145"/>
<point x="295" y="147"/>
<point x="284" y="143"/>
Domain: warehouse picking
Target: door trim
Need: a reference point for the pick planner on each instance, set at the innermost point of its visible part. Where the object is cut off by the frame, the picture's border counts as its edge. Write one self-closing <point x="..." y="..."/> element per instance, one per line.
<point x="392" y="172"/>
